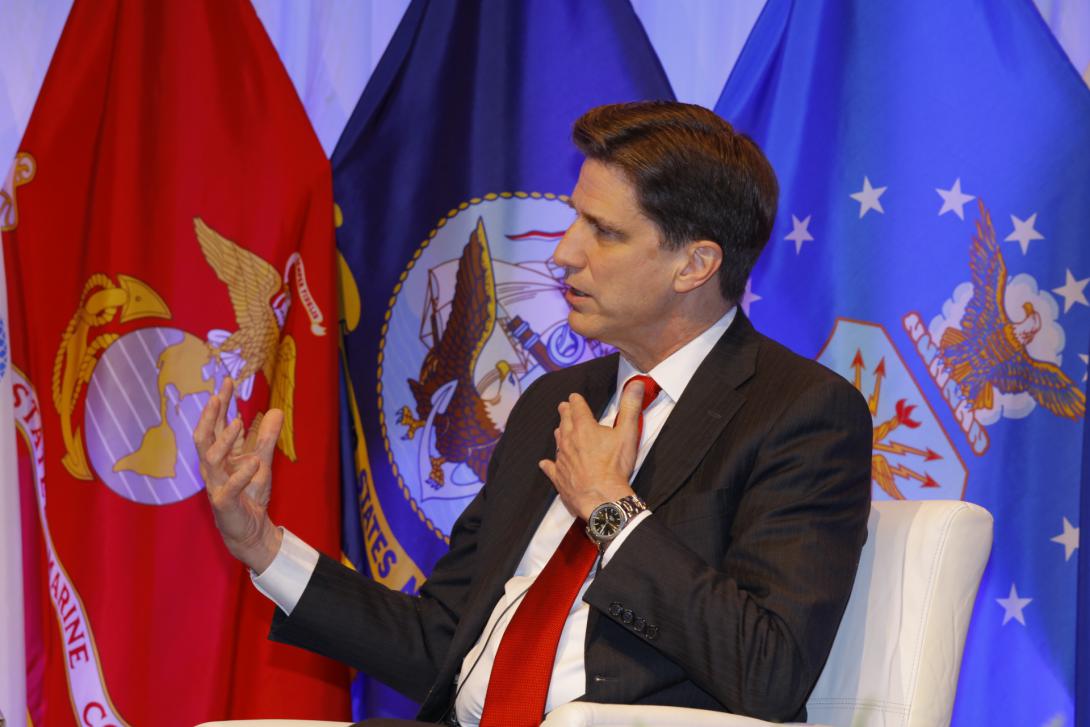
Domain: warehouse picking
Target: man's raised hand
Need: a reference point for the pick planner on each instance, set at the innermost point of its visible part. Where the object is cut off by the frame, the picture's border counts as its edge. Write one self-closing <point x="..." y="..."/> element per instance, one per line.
<point x="237" y="472"/>
<point x="593" y="462"/>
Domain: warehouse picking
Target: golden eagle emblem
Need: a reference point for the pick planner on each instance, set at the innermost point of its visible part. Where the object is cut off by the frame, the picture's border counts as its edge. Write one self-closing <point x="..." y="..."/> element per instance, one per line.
<point x="260" y="299"/>
<point x="989" y="350"/>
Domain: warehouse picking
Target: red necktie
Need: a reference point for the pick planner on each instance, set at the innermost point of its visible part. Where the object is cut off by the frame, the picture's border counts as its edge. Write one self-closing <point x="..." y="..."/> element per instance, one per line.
<point x="519" y="683"/>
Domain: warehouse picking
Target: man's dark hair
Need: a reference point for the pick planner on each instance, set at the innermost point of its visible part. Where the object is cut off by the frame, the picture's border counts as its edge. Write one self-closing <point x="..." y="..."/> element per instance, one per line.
<point x="696" y="178"/>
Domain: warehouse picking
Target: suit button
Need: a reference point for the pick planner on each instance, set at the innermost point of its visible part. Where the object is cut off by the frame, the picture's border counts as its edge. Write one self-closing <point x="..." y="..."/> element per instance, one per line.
<point x="652" y="632"/>
<point x="627" y="616"/>
<point x="615" y="609"/>
<point x="639" y="624"/>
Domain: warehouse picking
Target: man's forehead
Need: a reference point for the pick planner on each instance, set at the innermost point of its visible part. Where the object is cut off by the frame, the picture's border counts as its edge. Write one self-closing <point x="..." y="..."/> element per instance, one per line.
<point x="603" y="188"/>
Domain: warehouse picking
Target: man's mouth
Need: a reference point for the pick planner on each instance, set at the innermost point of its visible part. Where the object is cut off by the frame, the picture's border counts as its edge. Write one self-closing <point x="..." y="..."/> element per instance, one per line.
<point x="576" y="293"/>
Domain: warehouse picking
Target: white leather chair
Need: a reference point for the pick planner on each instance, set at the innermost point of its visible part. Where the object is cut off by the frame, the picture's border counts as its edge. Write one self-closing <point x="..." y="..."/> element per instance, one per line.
<point x="896" y="657"/>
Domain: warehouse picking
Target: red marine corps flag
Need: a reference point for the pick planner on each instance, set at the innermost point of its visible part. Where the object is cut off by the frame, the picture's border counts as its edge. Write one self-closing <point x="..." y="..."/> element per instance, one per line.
<point x="171" y="225"/>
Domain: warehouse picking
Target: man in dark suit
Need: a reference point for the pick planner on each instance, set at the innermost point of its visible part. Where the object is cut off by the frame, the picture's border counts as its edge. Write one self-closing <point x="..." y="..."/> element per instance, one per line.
<point x="698" y="552"/>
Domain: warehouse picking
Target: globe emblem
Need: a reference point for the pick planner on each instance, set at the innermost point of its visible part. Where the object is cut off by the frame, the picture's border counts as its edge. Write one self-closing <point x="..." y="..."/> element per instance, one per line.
<point x="143" y="401"/>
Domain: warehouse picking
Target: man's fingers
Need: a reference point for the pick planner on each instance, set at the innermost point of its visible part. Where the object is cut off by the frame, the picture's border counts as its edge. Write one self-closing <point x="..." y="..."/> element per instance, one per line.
<point x="579" y="407"/>
<point x="203" y="434"/>
<point x="549" y="468"/>
<point x="237" y="482"/>
<point x="227" y="389"/>
<point x="213" y="455"/>
<point x="566" y="421"/>
<point x="628" y="413"/>
<point x="250" y="443"/>
<point x="268" y="434"/>
<point x="243" y="435"/>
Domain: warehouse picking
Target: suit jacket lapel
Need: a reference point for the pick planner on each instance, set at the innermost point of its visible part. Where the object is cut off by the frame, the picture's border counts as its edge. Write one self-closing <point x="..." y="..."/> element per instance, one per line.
<point x="709" y="402"/>
<point x="600" y="383"/>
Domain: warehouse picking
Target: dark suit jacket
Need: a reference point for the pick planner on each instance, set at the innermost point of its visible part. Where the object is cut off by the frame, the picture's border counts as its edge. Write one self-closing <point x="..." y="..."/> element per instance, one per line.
<point x="728" y="597"/>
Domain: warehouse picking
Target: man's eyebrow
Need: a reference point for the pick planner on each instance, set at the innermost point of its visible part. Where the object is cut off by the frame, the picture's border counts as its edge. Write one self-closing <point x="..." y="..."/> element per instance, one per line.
<point x="592" y="219"/>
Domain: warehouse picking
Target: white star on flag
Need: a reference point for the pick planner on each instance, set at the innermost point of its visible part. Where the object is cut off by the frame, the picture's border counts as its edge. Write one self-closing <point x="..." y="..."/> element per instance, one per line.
<point x="1013" y="606"/>
<point x="749" y="297"/>
<point x="953" y="200"/>
<point x="1069" y="539"/>
<point x="1086" y="360"/>
<point x="1024" y="232"/>
<point x="1072" y="291"/>
<point x="868" y="198"/>
<point x="799" y="232"/>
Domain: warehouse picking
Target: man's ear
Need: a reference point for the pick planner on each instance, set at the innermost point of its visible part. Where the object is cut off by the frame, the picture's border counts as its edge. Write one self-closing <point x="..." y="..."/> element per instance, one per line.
<point x="703" y="258"/>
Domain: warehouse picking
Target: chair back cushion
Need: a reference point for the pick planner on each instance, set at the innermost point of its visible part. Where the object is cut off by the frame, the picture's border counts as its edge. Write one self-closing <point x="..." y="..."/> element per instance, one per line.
<point x="896" y="657"/>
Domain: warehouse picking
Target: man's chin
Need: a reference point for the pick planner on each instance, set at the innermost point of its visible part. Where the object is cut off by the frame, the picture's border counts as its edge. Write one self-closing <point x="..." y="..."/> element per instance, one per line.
<point x="578" y="322"/>
<point x="584" y="325"/>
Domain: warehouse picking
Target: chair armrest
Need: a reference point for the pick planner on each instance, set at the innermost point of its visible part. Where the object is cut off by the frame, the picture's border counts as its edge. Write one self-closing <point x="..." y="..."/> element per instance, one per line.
<point x="589" y="714"/>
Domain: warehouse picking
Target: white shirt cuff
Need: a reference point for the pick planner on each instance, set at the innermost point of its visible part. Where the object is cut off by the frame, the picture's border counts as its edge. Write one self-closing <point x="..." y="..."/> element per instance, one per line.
<point x="612" y="547"/>
<point x="284" y="581"/>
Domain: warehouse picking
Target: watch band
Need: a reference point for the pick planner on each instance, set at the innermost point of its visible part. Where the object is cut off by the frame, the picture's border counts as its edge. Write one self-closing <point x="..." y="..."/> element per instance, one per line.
<point x="632" y="506"/>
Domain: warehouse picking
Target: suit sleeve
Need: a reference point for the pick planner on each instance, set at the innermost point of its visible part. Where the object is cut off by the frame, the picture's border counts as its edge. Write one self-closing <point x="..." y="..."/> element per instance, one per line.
<point x="754" y="629"/>
<point x="397" y="638"/>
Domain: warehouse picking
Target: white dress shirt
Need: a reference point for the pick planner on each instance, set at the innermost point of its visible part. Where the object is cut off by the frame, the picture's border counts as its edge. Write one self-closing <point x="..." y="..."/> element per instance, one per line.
<point x="286" y="577"/>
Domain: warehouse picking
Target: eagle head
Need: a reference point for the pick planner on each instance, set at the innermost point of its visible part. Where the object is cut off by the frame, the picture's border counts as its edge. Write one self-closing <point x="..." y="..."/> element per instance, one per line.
<point x="1030" y="325"/>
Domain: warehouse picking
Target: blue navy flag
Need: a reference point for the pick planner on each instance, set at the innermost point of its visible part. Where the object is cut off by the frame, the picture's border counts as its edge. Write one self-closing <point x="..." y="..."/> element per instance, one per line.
<point x="451" y="179"/>
<point x="931" y="246"/>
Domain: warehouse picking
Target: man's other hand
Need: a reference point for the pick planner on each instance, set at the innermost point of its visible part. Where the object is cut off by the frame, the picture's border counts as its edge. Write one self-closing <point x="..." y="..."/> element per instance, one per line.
<point x="594" y="462"/>
<point x="237" y="470"/>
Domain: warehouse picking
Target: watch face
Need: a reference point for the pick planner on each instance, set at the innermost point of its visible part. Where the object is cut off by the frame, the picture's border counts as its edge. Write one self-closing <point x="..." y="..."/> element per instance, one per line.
<point x="606" y="521"/>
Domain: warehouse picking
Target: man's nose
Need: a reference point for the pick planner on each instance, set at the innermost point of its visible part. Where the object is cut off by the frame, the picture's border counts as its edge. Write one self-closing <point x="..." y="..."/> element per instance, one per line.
<point x="568" y="252"/>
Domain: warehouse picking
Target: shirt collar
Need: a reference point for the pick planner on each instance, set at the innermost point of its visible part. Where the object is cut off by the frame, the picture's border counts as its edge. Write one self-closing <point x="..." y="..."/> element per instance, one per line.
<point x="674" y="372"/>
